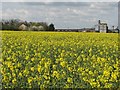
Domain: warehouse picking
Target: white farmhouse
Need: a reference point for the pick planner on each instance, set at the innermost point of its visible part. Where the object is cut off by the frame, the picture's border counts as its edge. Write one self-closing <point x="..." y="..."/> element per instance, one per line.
<point x="40" y="28"/>
<point x="34" y="28"/>
<point x="23" y="27"/>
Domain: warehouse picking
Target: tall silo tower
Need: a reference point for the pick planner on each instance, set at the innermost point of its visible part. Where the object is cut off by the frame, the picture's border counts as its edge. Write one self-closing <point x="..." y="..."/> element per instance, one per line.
<point x="99" y="25"/>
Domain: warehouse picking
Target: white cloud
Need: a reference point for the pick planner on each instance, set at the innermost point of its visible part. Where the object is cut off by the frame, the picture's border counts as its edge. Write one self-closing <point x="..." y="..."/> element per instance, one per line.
<point x="21" y="11"/>
<point x="92" y="6"/>
<point x="79" y="12"/>
<point x="21" y="14"/>
<point x="68" y="9"/>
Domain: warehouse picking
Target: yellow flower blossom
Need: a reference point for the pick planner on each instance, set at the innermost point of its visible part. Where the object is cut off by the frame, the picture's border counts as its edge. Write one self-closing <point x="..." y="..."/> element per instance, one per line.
<point x="63" y="63"/>
<point x="39" y="68"/>
<point x="14" y="81"/>
<point x="69" y="80"/>
<point x="32" y="68"/>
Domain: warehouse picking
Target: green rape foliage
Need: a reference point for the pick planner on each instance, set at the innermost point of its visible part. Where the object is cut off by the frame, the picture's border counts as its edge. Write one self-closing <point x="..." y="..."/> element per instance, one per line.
<point x="59" y="59"/>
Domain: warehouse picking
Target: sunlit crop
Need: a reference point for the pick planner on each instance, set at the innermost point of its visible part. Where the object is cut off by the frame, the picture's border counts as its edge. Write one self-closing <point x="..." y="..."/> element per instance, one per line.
<point x="59" y="59"/>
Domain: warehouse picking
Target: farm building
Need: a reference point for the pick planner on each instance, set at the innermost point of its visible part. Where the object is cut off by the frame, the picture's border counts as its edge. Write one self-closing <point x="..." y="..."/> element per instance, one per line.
<point x="30" y="27"/>
<point x="77" y="30"/>
<point x="23" y="27"/>
<point x="102" y="27"/>
<point x="68" y="30"/>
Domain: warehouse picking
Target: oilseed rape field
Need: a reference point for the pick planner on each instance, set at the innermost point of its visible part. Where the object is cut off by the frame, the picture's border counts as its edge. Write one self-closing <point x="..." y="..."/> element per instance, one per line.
<point x="59" y="60"/>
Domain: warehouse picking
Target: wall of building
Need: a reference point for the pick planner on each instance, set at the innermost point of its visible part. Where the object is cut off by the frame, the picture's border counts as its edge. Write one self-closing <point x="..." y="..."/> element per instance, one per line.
<point x="103" y="28"/>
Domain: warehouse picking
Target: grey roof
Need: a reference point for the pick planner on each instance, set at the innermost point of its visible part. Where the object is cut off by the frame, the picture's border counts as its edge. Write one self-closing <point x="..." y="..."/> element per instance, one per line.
<point x="103" y="23"/>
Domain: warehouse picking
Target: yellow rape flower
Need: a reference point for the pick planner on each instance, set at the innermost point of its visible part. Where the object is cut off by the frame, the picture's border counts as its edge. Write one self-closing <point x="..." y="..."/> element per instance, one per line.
<point x="39" y="68"/>
<point x="90" y="72"/>
<point x="70" y="69"/>
<point x="29" y="80"/>
<point x="106" y="73"/>
<point x="114" y="76"/>
<point x="32" y="59"/>
<point x="13" y="74"/>
<point x="27" y="57"/>
<point x="101" y="53"/>
<point x="20" y="74"/>
<point x="54" y="73"/>
<point x="69" y="80"/>
<point x="32" y="68"/>
<point x="63" y="64"/>
<point x="54" y="66"/>
<point x="19" y="64"/>
<point x="43" y="59"/>
<point x="14" y="81"/>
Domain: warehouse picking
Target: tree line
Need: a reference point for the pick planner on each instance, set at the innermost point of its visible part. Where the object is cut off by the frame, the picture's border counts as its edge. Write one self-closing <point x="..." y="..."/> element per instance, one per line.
<point x="19" y="25"/>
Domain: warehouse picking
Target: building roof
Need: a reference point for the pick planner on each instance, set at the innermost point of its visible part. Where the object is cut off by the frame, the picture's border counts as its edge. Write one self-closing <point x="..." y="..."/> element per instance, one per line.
<point x="103" y="23"/>
<point x="22" y="25"/>
<point x="83" y="29"/>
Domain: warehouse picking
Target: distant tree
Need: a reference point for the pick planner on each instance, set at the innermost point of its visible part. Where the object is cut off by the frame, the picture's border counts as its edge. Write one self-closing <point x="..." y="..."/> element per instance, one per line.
<point x="26" y="23"/>
<point x="0" y="25"/>
<point x="107" y="29"/>
<point x="38" y="26"/>
<point x="117" y="29"/>
<point x="45" y="25"/>
<point x="11" y="24"/>
<point x="15" y="24"/>
<point x="51" y="27"/>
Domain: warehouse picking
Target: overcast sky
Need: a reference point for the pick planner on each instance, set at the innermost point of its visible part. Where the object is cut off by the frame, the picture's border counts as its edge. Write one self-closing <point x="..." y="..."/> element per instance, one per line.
<point x="60" y="0"/>
<point x="63" y="14"/>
